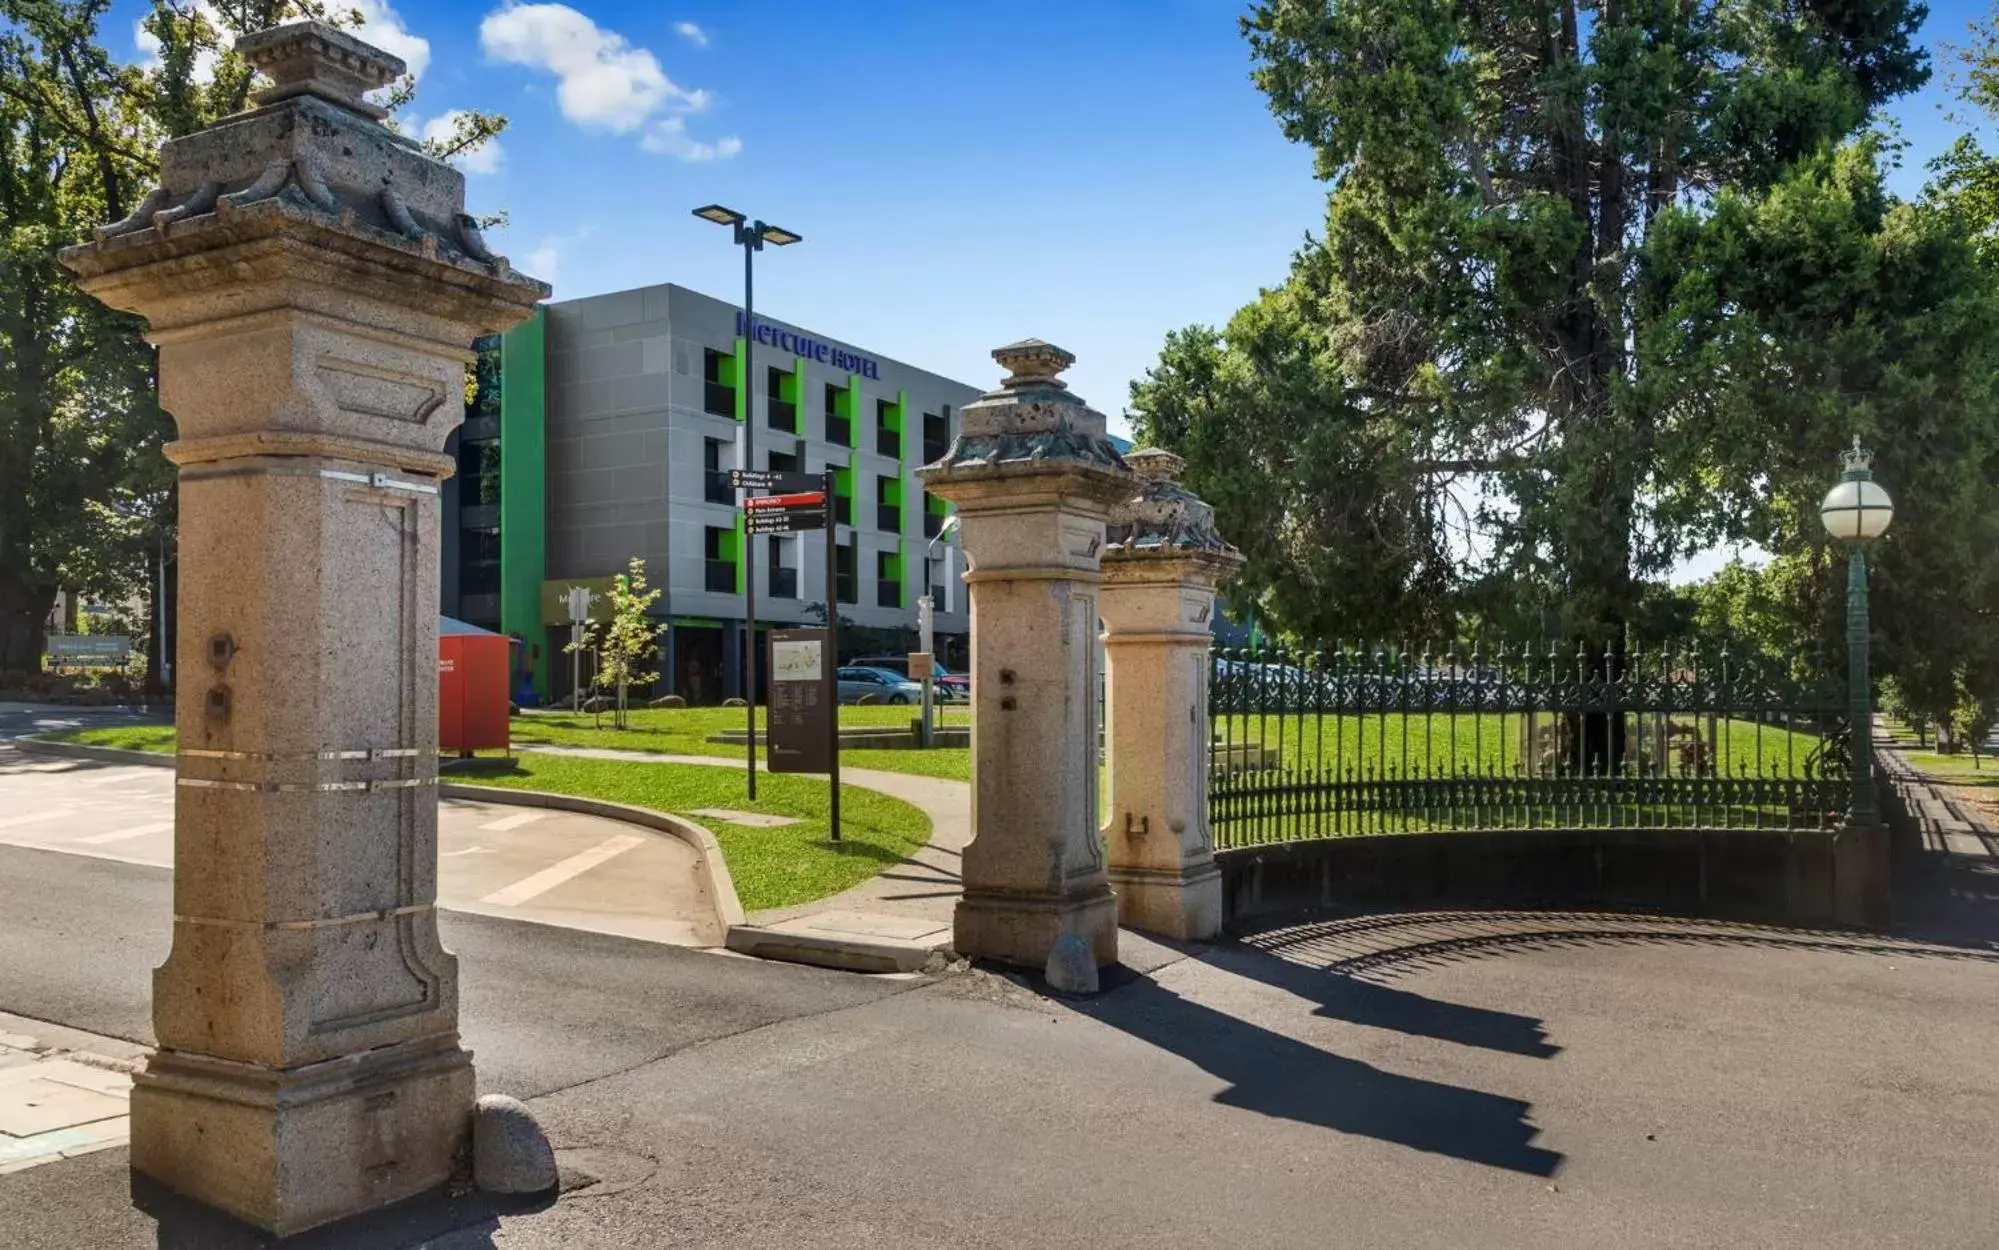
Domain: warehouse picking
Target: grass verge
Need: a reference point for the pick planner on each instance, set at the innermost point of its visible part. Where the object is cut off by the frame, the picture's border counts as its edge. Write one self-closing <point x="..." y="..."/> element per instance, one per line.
<point x="158" y="739"/>
<point x="685" y="731"/>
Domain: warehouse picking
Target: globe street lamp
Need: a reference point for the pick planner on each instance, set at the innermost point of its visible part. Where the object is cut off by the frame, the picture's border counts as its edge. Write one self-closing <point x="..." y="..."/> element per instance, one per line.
<point x="1855" y="511"/>
<point x="751" y="237"/>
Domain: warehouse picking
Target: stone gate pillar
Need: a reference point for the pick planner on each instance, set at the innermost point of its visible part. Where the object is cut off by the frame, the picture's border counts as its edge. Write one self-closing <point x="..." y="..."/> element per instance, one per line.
<point x="1161" y="563"/>
<point x="1033" y="476"/>
<point x="313" y="285"/>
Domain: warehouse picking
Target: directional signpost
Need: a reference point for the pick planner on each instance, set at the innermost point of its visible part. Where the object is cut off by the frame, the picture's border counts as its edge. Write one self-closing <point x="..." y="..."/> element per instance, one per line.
<point x="804" y="695"/>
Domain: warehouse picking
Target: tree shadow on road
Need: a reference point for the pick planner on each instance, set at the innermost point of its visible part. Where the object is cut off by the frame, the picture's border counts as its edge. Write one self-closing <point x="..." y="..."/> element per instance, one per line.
<point x="1275" y="1075"/>
<point x="437" y="1220"/>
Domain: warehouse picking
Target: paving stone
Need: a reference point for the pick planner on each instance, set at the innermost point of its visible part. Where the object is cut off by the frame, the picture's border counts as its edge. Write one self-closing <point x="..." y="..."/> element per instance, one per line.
<point x="37" y="1106"/>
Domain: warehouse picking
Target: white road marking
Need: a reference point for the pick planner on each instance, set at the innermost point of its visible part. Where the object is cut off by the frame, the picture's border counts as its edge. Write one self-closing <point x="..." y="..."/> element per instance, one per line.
<point x="470" y="850"/>
<point x="54" y="813"/>
<point x="514" y="821"/>
<point x="99" y="839"/>
<point x="555" y="874"/>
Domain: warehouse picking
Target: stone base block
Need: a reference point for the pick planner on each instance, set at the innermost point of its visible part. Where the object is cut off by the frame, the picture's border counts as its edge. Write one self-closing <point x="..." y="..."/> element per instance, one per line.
<point x="1186" y="904"/>
<point x="1861" y="874"/>
<point x="1022" y="929"/>
<point x="290" y="1149"/>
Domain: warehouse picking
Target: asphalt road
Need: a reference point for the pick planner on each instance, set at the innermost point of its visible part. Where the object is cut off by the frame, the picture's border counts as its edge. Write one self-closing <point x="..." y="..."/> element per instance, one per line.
<point x="541" y="1007"/>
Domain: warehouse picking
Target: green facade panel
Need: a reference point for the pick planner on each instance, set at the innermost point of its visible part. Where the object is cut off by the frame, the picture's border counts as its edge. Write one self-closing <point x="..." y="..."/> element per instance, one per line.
<point x="523" y="476"/>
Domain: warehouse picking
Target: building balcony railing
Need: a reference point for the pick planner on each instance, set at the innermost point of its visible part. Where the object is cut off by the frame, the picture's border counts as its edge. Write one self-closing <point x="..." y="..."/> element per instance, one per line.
<point x="843" y="510"/>
<point x="479" y="430"/>
<point x="783" y="583"/>
<point x="888" y="443"/>
<point x="888" y="594"/>
<point x="844" y="590"/>
<point x="715" y="487"/>
<point x="780" y="415"/>
<point x="719" y="576"/>
<point x="840" y="431"/>
<point x="481" y="516"/>
<point x="933" y="524"/>
<point x="718" y="400"/>
<point x="887" y="519"/>
<point x="935" y="449"/>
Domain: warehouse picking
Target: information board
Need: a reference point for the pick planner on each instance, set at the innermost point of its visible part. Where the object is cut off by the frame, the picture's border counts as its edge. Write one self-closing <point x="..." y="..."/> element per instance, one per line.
<point x="803" y="698"/>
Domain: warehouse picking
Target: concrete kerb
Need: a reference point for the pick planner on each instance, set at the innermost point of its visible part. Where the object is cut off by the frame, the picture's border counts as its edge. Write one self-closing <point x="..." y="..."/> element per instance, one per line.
<point x="708" y="851"/>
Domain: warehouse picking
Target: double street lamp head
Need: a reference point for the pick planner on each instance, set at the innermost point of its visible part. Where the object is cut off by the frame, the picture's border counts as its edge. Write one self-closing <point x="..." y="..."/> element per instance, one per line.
<point x="752" y="234"/>
<point x="1857" y="509"/>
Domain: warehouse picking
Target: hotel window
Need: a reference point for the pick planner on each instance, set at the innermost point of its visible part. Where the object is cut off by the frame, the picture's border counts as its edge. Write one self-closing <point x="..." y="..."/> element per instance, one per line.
<point x="888" y="504"/>
<point x="718" y="570"/>
<point x="783" y="462"/>
<point x="843" y="496"/>
<point x="718" y="383"/>
<point x="888" y="431"/>
<point x="715" y="486"/>
<point x="839" y="425"/>
<point x="888" y="580"/>
<point x="934" y="512"/>
<point x="783" y="581"/>
<point x="844" y="588"/>
<point x="781" y="413"/>
<point x="936" y="435"/>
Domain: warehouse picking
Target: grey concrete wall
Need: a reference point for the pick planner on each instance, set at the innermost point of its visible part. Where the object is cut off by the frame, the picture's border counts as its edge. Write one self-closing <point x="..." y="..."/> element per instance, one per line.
<point x="627" y="434"/>
<point x="1809" y="878"/>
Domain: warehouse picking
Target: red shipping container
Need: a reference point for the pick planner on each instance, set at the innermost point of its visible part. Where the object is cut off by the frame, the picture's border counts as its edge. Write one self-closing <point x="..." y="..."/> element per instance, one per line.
<point x="472" y="669"/>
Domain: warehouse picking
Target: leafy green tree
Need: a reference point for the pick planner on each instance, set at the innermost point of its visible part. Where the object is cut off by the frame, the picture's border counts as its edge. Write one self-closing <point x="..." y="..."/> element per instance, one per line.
<point x="626" y="642"/>
<point x="1480" y="326"/>
<point x="86" y="500"/>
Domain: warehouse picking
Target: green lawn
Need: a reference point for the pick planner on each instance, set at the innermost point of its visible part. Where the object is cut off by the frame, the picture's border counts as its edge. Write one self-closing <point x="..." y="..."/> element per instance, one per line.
<point x="159" y="739"/>
<point x="685" y="731"/>
<point x="1434" y="745"/>
<point x="1956" y="770"/>
<point x="771" y="867"/>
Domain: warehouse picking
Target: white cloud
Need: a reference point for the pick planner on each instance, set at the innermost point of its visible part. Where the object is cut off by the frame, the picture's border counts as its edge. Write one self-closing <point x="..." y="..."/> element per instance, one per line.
<point x="669" y="137"/>
<point x="691" y="33"/>
<point x="380" y="25"/>
<point x="603" y="81"/>
<point x="544" y="259"/>
<point x="484" y="159"/>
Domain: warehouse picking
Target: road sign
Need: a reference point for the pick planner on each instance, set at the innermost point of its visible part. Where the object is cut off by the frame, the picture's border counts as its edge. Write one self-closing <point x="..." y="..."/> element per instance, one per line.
<point x="90" y="650"/>
<point x="785" y="522"/>
<point x="797" y="499"/>
<point x="774" y="479"/>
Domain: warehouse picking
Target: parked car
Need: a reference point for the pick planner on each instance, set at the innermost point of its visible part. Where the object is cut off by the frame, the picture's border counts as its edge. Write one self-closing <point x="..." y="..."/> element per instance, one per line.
<point x="887" y="686"/>
<point x="950" y="685"/>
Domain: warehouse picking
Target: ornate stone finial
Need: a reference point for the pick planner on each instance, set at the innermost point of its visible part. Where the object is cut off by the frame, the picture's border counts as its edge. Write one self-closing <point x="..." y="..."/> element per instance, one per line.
<point x="1856" y="458"/>
<point x="1164" y="518"/>
<point x="1155" y="464"/>
<point x="1033" y="362"/>
<point x="312" y="58"/>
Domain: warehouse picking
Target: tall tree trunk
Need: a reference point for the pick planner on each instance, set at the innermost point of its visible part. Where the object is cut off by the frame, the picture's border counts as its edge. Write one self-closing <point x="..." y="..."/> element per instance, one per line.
<point x="24" y="617"/>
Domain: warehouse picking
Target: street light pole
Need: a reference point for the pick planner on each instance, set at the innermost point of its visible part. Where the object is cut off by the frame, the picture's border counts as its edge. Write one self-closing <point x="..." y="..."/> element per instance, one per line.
<point x="1856" y="511"/>
<point x="926" y="618"/>
<point x="751" y="237"/>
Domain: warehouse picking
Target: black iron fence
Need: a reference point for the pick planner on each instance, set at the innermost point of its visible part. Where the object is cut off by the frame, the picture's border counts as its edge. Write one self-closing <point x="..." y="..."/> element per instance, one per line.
<point x="1349" y="740"/>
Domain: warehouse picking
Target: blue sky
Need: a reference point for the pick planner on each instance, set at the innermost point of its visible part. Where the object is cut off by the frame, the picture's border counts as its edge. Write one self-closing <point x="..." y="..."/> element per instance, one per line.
<point x="1094" y="172"/>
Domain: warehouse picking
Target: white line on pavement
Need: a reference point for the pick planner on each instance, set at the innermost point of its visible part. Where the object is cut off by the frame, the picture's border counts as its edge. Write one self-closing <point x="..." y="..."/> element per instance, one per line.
<point x="555" y="874"/>
<point x="140" y="831"/>
<point x="514" y="821"/>
<point x="54" y="813"/>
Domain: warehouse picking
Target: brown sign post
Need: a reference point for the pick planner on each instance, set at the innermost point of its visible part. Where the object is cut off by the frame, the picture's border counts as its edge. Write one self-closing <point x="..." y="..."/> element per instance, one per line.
<point x="803" y="724"/>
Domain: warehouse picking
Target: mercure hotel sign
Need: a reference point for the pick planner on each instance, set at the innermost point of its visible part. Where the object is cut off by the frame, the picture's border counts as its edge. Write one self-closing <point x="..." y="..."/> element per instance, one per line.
<point x="804" y="345"/>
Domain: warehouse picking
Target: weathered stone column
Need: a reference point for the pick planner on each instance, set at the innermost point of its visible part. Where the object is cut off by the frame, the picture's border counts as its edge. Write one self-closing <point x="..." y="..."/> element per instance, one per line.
<point x="1161" y="562"/>
<point x="1033" y="477"/>
<point x="314" y="286"/>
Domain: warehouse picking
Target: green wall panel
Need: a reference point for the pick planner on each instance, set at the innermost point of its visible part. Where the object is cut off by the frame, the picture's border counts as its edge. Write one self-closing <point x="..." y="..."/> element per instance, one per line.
<point x="523" y="476"/>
